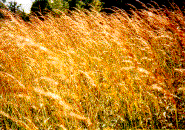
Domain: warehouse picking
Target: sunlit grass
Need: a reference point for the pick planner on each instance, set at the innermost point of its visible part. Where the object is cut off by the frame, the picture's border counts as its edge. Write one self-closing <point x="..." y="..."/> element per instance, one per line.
<point x="93" y="70"/>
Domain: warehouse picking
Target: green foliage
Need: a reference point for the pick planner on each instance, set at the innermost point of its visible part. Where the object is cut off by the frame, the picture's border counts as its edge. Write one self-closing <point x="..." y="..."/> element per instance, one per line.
<point x="2" y="5"/>
<point x="59" y="5"/>
<point x="85" y="4"/>
<point x="97" y="4"/>
<point x="41" y="7"/>
<point x="14" y="7"/>
<point x="64" y="5"/>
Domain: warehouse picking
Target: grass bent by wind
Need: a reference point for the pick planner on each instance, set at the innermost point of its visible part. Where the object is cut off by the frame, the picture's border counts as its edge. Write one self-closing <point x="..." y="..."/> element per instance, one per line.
<point x="90" y="70"/>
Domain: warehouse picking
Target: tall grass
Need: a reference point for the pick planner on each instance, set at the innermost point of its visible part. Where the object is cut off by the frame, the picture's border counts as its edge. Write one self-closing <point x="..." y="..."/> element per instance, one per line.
<point x="93" y="70"/>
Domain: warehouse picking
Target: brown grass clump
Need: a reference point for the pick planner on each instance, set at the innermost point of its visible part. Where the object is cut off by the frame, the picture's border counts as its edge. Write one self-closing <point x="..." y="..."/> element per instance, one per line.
<point x="90" y="70"/>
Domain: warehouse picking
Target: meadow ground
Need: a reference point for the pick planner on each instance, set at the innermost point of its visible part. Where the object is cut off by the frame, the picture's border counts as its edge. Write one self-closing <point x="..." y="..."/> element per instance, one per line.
<point x="89" y="70"/>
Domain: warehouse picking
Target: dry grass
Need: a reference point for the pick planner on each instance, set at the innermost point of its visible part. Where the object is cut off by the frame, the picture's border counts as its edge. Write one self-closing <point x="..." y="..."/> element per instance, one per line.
<point x="92" y="70"/>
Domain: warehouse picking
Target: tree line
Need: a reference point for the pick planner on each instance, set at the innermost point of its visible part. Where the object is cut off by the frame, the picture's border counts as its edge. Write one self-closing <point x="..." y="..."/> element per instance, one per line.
<point x="43" y="7"/>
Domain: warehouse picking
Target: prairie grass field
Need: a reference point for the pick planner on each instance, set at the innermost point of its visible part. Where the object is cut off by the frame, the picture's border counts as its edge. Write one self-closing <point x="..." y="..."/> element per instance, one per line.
<point x="92" y="70"/>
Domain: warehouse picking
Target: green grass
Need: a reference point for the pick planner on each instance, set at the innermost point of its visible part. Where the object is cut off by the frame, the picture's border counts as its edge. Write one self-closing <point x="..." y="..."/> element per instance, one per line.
<point x="92" y="70"/>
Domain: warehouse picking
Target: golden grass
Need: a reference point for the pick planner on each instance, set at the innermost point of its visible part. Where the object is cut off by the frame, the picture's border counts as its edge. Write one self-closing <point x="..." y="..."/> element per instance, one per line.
<point x="92" y="70"/>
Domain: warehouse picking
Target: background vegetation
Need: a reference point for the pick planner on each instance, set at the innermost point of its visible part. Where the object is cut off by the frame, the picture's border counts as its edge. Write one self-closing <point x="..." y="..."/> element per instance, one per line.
<point x="90" y="70"/>
<point x="14" y="8"/>
<point x="56" y="7"/>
